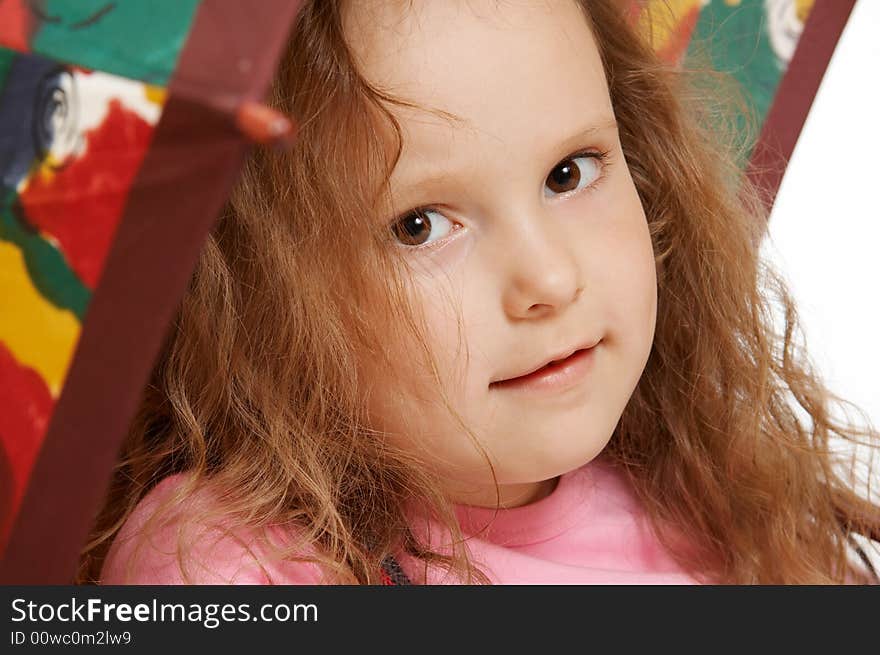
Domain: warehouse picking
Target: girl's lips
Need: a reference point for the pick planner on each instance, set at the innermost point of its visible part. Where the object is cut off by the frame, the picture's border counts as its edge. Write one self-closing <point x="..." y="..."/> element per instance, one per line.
<point x="555" y="376"/>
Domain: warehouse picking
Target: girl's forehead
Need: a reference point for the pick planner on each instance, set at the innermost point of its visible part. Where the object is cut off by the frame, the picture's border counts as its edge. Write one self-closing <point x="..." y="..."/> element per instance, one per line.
<point x="468" y="48"/>
<point x="520" y="78"/>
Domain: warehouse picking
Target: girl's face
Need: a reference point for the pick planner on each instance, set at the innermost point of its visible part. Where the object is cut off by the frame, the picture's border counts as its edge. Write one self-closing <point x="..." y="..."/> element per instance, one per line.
<point x="530" y="243"/>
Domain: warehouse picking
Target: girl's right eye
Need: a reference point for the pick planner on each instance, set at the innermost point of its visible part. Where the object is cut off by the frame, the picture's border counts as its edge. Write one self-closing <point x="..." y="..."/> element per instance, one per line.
<point x="421" y="226"/>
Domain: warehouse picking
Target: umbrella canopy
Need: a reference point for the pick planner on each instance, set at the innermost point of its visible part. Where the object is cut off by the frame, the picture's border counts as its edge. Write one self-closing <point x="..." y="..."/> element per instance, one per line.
<point x="119" y="139"/>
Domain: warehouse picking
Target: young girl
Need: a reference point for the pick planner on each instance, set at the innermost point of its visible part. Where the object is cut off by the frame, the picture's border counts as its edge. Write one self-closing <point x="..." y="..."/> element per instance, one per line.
<point x="498" y="317"/>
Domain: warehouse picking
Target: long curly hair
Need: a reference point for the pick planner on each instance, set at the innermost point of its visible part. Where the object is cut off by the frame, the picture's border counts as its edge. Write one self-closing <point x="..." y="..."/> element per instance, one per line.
<point x="728" y="440"/>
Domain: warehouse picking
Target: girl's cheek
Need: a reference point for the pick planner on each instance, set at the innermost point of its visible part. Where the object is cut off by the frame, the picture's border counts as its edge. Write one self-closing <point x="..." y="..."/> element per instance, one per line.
<point x="645" y="282"/>
<point x="623" y="261"/>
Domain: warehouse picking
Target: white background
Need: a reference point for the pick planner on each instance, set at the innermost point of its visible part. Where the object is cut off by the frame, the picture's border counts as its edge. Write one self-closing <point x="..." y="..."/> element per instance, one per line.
<point x="825" y="225"/>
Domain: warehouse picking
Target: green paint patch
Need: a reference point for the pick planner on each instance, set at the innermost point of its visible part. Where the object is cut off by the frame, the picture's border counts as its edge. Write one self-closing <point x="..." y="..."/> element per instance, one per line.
<point x="6" y="58"/>
<point x="46" y="265"/>
<point x="738" y="43"/>
<point x="138" y="40"/>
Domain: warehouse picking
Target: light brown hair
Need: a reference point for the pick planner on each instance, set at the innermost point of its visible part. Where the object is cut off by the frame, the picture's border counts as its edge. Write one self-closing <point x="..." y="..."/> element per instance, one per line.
<point x="728" y="438"/>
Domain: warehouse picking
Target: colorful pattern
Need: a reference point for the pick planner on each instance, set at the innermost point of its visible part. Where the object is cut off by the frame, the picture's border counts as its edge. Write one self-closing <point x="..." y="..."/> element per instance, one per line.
<point x="754" y="40"/>
<point x="123" y="126"/>
<point x="71" y="142"/>
<point x="138" y="40"/>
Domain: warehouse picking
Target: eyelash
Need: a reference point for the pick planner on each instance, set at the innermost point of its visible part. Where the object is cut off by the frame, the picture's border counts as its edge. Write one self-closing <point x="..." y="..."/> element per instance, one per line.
<point x="600" y="155"/>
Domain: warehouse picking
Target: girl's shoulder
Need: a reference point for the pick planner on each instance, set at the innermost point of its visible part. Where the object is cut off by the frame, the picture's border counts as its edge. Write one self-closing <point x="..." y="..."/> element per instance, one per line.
<point x="171" y="540"/>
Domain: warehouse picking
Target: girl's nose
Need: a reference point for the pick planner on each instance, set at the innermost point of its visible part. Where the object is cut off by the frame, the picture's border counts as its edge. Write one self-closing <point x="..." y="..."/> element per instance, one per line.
<point x="543" y="275"/>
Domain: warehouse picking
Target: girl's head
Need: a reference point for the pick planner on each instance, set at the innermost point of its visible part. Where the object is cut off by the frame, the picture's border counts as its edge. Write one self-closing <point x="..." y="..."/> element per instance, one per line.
<point x="512" y="206"/>
<point x="479" y="187"/>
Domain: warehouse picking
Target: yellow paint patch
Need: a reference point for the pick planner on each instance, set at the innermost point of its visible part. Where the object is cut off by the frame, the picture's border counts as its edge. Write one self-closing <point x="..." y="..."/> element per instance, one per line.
<point x="44" y="169"/>
<point x="803" y="8"/>
<point x="663" y="16"/>
<point x="39" y="335"/>
<point x="155" y="94"/>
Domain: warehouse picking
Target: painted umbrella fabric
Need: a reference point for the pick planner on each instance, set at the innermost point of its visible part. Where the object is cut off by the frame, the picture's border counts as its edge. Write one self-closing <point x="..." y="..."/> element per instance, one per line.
<point x="102" y="105"/>
<point x="775" y="50"/>
<point x="752" y="40"/>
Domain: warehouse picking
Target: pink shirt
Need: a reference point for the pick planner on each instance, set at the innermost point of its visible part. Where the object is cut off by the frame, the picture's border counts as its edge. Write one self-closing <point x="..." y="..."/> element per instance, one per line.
<point x="589" y="530"/>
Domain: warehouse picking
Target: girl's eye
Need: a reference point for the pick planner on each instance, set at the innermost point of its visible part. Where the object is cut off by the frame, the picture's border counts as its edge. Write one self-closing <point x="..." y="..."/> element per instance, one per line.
<point x="574" y="173"/>
<point x="421" y="226"/>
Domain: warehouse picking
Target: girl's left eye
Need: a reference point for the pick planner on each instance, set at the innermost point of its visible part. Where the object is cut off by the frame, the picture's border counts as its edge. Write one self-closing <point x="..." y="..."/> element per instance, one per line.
<point x="421" y="226"/>
<point x="574" y="173"/>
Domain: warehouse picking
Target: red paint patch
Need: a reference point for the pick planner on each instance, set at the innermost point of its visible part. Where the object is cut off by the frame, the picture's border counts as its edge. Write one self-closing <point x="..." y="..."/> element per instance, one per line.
<point x="17" y="25"/>
<point x="81" y="204"/>
<point x="27" y="406"/>
<point x="676" y="49"/>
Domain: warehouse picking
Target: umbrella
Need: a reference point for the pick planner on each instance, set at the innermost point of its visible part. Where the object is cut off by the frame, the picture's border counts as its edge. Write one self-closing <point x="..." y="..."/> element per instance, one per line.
<point x="107" y="111"/>
<point x="122" y="127"/>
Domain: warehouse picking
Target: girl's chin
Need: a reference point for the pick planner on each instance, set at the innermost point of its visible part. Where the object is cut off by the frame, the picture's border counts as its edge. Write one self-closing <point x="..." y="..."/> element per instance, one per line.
<point x="546" y="465"/>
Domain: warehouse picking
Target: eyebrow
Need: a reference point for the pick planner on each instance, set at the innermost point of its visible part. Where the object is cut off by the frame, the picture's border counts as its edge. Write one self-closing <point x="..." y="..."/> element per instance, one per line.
<point x="571" y="143"/>
<point x="564" y="146"/>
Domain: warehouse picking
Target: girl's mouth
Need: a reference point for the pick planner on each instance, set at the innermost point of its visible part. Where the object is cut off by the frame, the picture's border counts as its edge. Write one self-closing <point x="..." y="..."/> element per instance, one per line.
<point x="557" y="375"/>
